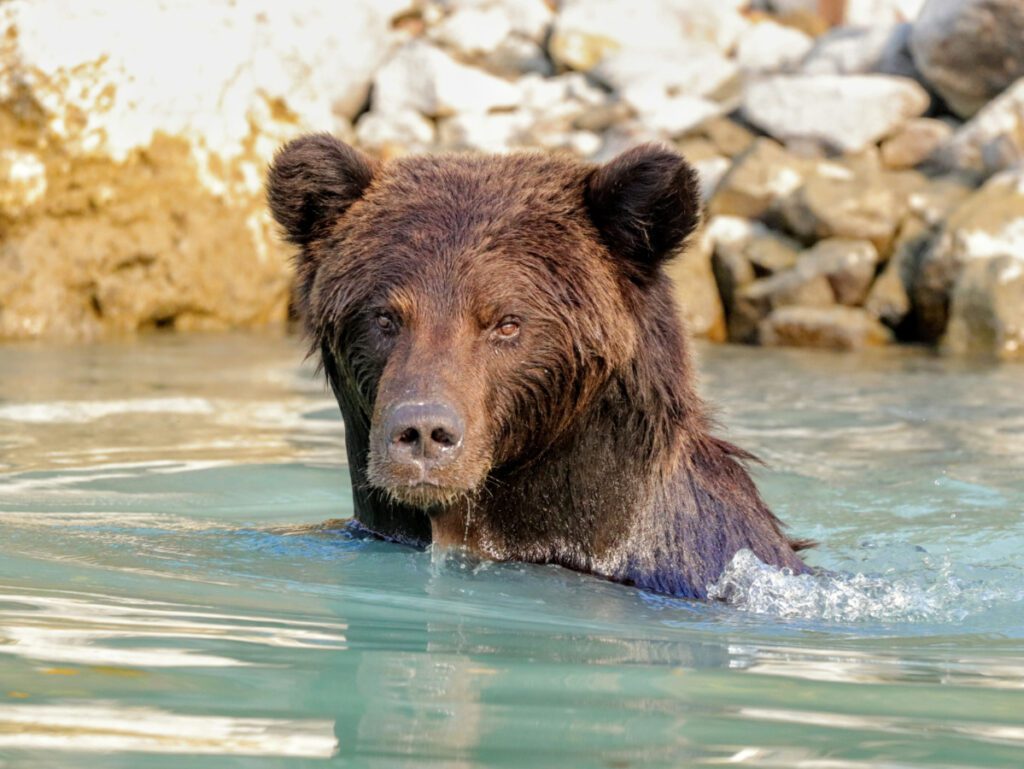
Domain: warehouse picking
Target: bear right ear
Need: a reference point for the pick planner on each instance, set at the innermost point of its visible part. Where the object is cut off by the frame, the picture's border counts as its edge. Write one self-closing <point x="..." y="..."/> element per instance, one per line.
<point x="645" y="203"/>
<point x="312" y="181"/>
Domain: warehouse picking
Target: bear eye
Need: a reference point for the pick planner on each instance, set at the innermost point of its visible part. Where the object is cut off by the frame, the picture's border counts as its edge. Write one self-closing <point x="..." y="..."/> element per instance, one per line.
<point x="507" y="328"/>
<point x="385" y="322"/>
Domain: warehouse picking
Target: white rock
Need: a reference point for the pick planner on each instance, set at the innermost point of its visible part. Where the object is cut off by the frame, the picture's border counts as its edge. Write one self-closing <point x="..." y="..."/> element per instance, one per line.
<point x="677" y="115"/>
<point x="644" y="79"/>
<point x="865" y="12"/>
<point x="282" y="68"/>
<point x="529" y="18"/>
<point x="498" y="132"/>
<point x="405" y="131"/>
<point x="565" y="94"/>
<point x="771" y="47"/>
<point x="844" y="113"/>
<point x="424" y="78"/>
<point x="585" y="31"/>
<point x="993" y="139"/>
<point x="473" y="31"/>
<point x="710" y="172"/>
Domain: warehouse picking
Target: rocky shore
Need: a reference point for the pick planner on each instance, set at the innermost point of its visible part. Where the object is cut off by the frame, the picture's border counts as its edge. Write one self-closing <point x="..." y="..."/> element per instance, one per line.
<point x="862" y="162"/>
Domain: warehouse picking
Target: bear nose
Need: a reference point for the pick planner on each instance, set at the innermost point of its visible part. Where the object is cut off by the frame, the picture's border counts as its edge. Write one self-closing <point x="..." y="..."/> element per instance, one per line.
<point x="428" y="434"/>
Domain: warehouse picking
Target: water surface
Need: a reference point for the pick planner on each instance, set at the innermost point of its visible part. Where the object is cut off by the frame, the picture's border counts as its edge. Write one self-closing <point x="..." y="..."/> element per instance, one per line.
<point x="161" y="603"/>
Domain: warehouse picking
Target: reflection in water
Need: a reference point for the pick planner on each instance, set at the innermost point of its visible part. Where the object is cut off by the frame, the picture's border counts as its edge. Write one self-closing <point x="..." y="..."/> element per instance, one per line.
<point x="166" y="589"/>
<point x="100" y="726"/>
<point x="94" y="630"/>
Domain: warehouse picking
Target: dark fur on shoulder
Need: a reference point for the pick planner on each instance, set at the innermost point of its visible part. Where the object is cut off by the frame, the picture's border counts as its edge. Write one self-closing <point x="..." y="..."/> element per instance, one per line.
<point x="523" y="296"/>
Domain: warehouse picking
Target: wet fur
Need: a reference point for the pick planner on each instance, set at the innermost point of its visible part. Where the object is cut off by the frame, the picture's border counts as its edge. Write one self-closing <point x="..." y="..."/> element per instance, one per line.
<point x="594" y="451"/>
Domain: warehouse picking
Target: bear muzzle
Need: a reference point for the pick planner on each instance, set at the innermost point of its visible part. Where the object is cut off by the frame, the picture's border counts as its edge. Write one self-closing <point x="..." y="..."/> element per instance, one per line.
<point x="421" y="443"/>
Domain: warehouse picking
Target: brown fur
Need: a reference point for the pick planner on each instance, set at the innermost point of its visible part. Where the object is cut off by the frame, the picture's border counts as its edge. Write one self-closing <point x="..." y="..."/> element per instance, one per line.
<point x="586" y="443"/>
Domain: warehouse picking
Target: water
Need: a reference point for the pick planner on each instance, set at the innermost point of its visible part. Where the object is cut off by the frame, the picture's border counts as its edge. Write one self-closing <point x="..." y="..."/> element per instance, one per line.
<point x="161" y="602"/>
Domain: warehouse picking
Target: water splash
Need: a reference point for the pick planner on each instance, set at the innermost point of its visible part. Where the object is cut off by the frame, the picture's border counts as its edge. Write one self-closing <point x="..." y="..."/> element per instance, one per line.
<point x="935" y="595"/>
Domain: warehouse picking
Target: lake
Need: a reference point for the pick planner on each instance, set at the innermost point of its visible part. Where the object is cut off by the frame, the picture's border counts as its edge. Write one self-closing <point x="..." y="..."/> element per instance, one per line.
<point x="165" y="597"/>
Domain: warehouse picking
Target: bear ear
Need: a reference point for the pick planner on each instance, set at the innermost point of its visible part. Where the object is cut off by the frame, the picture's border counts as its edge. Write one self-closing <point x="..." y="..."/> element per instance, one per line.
<point x="312" y="181"/>
<point x="645" y="202"/>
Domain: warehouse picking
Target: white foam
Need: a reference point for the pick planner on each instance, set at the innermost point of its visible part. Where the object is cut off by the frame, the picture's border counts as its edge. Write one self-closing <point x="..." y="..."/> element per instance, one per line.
<point x="751" y="585"/>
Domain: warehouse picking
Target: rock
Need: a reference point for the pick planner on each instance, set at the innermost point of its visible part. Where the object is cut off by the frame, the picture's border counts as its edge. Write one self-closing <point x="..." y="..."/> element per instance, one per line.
<point x="771" y="47"/>
<point x="889" y="300"/>
<point x="833" y="328"/>
<point x="992" y="140"/>
<point x="851" y="199"/>
<point x="969" y="50"/>
<point x="24" y="175"/>
<point x="645" y="80"/>
<point x="877" y="48"/>
<point x="864" y="12"/>
<point x="567" y="96"/>
<point x="547" y="117"/>
<point x="696" y="291"/>
<point x="516" y="56"/>
<point x="849" y="265"/>
<point x="889" y="297"/>
<point x="710" y="172"/>
<point x="987" y="225"/>
<point x="586" y="31"/>
<point x="677" y="115"/>
<point x="987" y="309"/>
<point x="424" y="78"/>
<point x="621" y="136"/>
<point x="770" y="252"/>
<point x="933" y="203"/>
<point x="395" y="134"/>
<point x="841" y="113"/>
<point x="732" y="269"/>
<point x="473" y="31"/>
<point x="915" y="142"/>
<point x="503" y="37"/>
<point x="134" y="194"/>
<point x="759" y="180"/>
<point x="727" y="135"/>
<point x="754" y="301"/>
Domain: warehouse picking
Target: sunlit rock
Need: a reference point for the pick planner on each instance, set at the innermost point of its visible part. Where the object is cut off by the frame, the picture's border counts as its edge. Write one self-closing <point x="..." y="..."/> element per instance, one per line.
<point x="841" y="113"/>
<point x="586" y="31"/>
<point x="915" y="142"/>
<point x="135" y="171"/>
<point x="987" y="225"/>
<point x="771" y="47"/>
<point x="987" y="309"/>
<point x="833" y="328"/>
<point x="992" y="140"/>
<point x="424" y="78"/>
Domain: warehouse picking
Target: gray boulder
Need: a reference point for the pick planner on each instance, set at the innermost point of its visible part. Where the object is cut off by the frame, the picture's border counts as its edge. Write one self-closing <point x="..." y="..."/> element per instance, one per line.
<point x="969" y="50"/>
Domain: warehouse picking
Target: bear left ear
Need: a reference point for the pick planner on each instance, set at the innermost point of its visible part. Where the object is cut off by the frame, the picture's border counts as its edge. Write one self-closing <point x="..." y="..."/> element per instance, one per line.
<point x="645" y="202"/>
<point x="312" y="181"/>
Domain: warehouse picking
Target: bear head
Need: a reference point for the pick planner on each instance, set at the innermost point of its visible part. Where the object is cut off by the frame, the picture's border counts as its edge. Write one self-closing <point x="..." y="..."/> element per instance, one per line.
<point x="470" y="308"/>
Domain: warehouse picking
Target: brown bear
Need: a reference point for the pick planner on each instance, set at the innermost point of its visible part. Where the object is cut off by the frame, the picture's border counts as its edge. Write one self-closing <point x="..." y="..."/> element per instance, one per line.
<point x="509" y="362"/>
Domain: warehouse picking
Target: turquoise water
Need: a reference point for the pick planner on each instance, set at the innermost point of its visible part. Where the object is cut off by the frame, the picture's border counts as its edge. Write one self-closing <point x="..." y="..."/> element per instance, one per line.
<point x="164" y="603"/>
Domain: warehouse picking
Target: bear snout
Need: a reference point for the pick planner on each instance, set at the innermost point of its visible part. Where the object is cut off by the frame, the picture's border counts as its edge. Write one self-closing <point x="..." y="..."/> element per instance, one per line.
<point x="426" y="436"/>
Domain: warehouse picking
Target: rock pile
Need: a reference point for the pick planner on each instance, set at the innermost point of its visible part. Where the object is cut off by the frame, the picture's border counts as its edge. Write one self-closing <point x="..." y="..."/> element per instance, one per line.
<point x="860" y="159"/>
